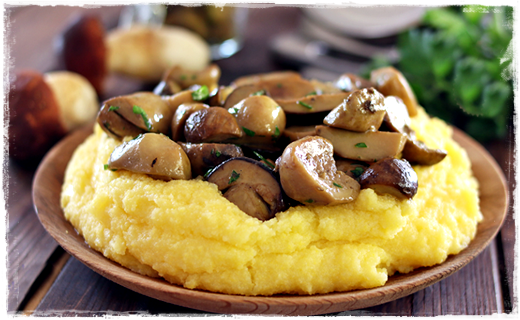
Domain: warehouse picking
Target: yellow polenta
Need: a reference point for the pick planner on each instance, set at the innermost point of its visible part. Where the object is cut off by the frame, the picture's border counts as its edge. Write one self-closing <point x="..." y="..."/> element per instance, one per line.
<point x="186" y="232"/>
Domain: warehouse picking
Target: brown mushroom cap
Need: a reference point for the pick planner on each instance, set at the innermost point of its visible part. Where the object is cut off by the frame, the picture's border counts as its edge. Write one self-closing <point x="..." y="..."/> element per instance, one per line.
<point x="297" y="132"/>
<point x="278" y="76"/>
<point x="206" y="156"/>
<point x="391" y="82"/>
<point x="214" y="124"/>
<point x="308" y="174"/>
<point x="153" y="154"/>
<point x="352" y="82"/>
<point x="179" y="118"/>
<point x="362" y="111"/>
<point x="391" y="176"/>
<point x="417" y="152"/>
<point x="396" y="118"/>
<point x="262" y="198"/>
<point x="177" y="78"/>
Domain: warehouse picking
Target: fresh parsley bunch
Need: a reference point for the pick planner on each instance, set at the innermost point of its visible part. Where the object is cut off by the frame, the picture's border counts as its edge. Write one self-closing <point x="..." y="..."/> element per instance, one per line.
<point x="459" y="64"/>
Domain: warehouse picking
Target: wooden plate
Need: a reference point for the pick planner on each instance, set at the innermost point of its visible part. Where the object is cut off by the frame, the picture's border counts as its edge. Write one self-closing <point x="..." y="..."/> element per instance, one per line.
<point x="46" y="196"/>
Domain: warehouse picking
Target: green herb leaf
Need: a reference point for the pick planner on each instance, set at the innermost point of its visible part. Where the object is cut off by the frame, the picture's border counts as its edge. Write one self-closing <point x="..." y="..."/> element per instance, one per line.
<point x="234" y="177"/>
<point x="140" y="111"/>
<point x="208" y="172"/>
<point x="358" y="171"/>
<point x="248" y="132"/>
<point x="276" y="134"/>
<point x="105" y="166"/>
<point x="303" y="104"/>
<point x="264" y="159"/>
<point x="216" y="152"/>
<point x="201" y="93"/>
<point x="361" y="145"/>
<point x="233" y="110"/>
<point x="113" y="108"/>
<point x="258" y="93"/>
<point x="309" y="201"/>
<point x="312" y="93"/>
<point x="337" y="185"/>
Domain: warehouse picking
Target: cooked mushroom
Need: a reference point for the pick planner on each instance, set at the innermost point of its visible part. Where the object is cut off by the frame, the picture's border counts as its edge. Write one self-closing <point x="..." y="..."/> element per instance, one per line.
<point x="240" y="93"/>
<point x="153" y="154"/>
<point x="179" y="118"/>
<point x="417" y="152"/>
<point x="351" y="167"/>
<point x="312" y="103"/>
<point x="279" y="76"/>
<point x="214" y="124"/>
<point x="297" y="132"/>
<point x="261" y="119"/>
<point x="308" y="174"/>
<point x="219" y="97"/>
<point x="352" y="82"/>
<point x="206" y="156"/>
<point x="362" y="111"/>
<point x="177" y="78"/>
<point x="391" y="176"/>
<point x="396" y="118"/>
<point x="135" y="113"/>
<point x="391" y="82"/>
<point x="250" y="185"/>
<point x="366" y="146"/>
<point x="174" y="101"/>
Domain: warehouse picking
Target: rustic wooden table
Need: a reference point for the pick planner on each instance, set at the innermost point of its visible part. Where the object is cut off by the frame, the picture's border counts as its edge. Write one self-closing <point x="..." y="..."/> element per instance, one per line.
<point x="44" y="280"/>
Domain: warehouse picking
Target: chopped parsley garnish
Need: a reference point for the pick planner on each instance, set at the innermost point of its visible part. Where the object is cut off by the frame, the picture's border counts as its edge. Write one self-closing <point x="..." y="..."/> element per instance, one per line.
<point x="361" y="145"/>
<point x="276" y="134"/>
<point x="208" y="172"/>
<point x="193" y="77"/>
<point x="303" y="104"/>
<point x="233" y="110"/>
<point x="106" y="167"/>
<point x="234" y="177"/>
<point x="312" y="93"/>
<point x="309" y="201"/>
<point x="201" y="93"/>
<point x="261" y="157"/>
<point x="216" y="152"/>
<point x="140" y="111"/>
<point x="279" y="85"/>
<point x="250" y="133"/>
<point x="113" y="108"/>
<point x="258" y="93"/>
<point x="183" y="77"/>
<point x="357" y="171"/>
<point x="337" y="185"/>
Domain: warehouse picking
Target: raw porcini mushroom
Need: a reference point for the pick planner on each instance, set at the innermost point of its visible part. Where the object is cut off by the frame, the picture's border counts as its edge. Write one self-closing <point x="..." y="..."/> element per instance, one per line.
<point x="391" y="82"/>
<point x="261" y="119"/>
<point x="417" y="152"/>
<point x="362" y="111"/>
<point x="136" y="113"/>
<point x="214" y="124"/>
<point x="308" y="174"/>
<point x="206" y="156"/>
<point x="152" y="154"/>
<point x="177" y="79"/>
<point x="352" y="82"/>
<point x="367" y="146"/>
<point x="250" y="185"/>
<point x="391" y="176"/>
<point x="179" y="118"/>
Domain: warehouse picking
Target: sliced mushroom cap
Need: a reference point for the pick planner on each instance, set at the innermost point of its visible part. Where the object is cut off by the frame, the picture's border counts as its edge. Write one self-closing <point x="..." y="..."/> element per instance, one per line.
<point x="391" y="82"/>
<point x="153" y="154"/>
<point x="206" y="156"/>
<point x="297" y="132"/>
<point x="179" y="118"/>
<point x="351" y="167"/>
<point x="174" y="101"/>
<point x="362" y="111"/>
<point x="214" y="124"/>
<point x="366" y="146"/>
<point x="261" y="119"/>
<point x="396" y="117"/>
<point x="308" y="174"/>
<point x="352" y="82"/>
<point x="312" y="103"/>
<point x="262" y="198"/>
<point x="219" y="97"/>
<point x="177" y="78"/>
<point x="279" y="76"/>
<point x="321" y="87"/>
<point x="240" y="93"/>
<point x="146" y="111"/>
<point x="417" y="152"/>
<point x="391" y="176"/>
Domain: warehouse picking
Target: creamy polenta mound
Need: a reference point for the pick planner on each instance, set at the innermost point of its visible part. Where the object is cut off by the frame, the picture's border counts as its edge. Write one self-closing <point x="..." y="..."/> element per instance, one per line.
<point x="187" y="233"/>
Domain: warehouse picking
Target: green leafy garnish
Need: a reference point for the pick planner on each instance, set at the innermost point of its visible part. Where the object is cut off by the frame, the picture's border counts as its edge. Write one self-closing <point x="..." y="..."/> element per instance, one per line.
<point x="208" y="172"/>
<point x="200" y="94"/>
<point x="303" y="104"/>
<point x="361" y="145"/>
<point x="261" y="157"/>
<point x="233" y="110"/>
<point x="113" y="108"/>
<point x="312" y="93"/>
<point x="106" y="167"/>
<point x="276" y="134"/>
<point x="309" y="201"/>
<point x="358" y="171"/>
<point x="216" y="152"/>
<point x="140" y="111"/>
<point x="258" y="93"/>
<point x="234" y="177"/>
<point x="337" y="185"/>
<point x="250" y="133"/>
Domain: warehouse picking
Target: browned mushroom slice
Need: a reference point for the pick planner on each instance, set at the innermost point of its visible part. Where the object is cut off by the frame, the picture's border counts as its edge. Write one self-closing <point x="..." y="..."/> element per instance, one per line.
<point x="242" y="92"/>
<point x="289" y="89"/>
<point x="206" y="156"/>
<point x="308" y="174"/>
<point x="391" y="176"/>
<point x="261" y="119"/>
<point x="178" y="78"/>
<point x="179" y="118"/>
<point x="362" y="111"/>
<point x="313" y="103"/>
<point x="115" y="125"/>
<point x="152" y="154"/>
<point x="214" y="124"/>
<point x="396" y="118"/>
<point x="417" y="152"/>
<point x="391" y="82"/>
<point x="174" y="101"/>
<point x="367" y="146"/>
<point x="352" y="82"/>
<point x="144" y="110"/>
<point x="351" y="167"/>
<point x="262" y="198"/>
<point x="220" y="96"/>
<point x="280" y="76"/>
<point x="321" y="87"/>
<point x="297" y="132"/>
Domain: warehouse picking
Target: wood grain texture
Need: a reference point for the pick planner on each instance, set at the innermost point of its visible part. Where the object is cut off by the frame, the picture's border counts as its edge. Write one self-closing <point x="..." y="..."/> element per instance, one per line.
<point x="46" y="193"/>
